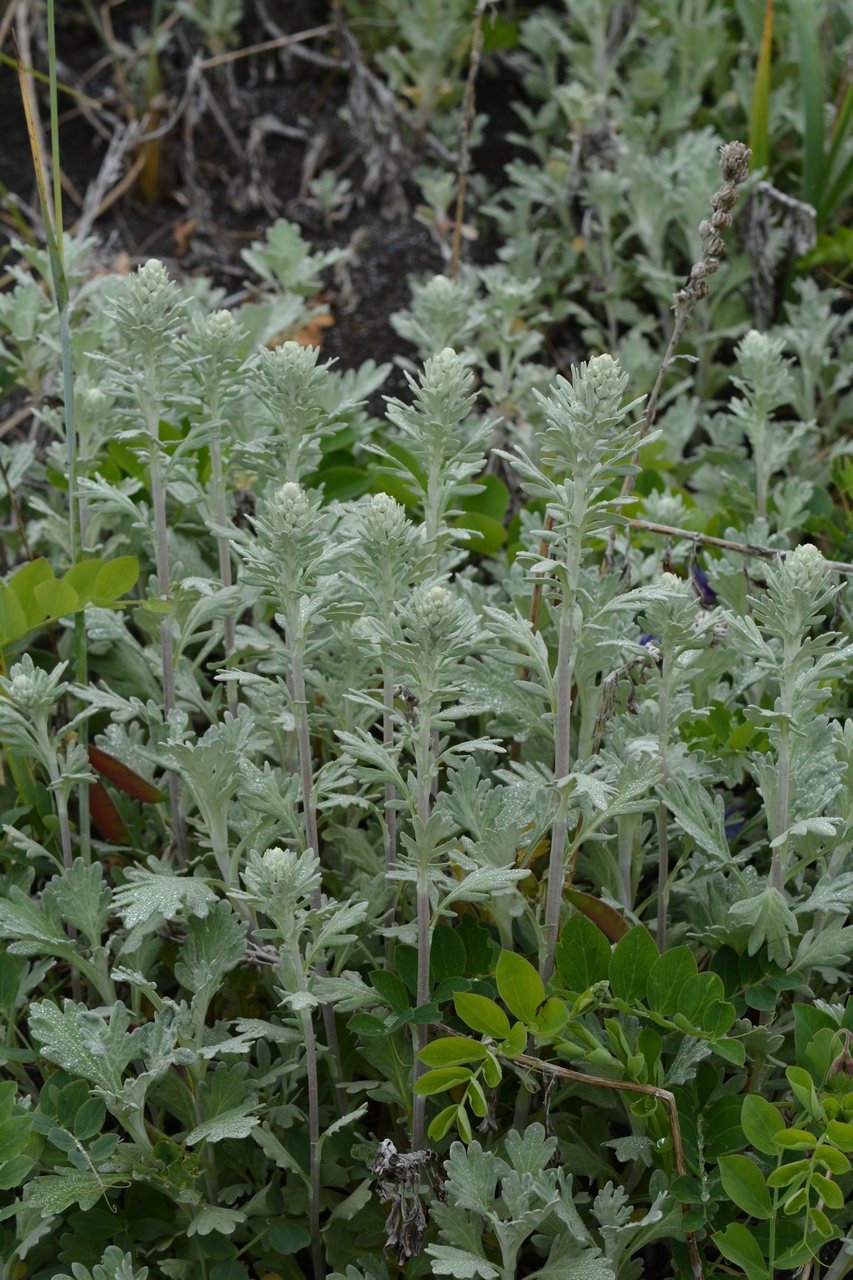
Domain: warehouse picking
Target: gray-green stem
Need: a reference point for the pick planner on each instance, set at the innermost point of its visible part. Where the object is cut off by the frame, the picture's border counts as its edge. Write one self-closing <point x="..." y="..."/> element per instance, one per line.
<point x="663" y="839"/>
<point x="296" y="672"/>
<point x="224" y="549"/>
<point x="313" y="1117"/>
<point x="423" y="752"/>
<point x="562" y="738"/>
<point x="778" y="866"/>
<point x="158" y="504"/>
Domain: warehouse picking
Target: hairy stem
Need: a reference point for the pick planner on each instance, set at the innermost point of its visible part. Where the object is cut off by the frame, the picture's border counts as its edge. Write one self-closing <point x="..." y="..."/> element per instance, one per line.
<point x="158" y="504"/>
<point x="556" y="867"/>
<point x="662" y="816"/>
<point x="296" y="672"/>
<point x="313" y="1119"/>
<point x="224" y="549"/>
<point x="423" y="752"/>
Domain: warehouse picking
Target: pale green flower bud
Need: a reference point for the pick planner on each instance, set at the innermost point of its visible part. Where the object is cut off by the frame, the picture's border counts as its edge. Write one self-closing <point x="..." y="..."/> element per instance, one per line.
<point x="23" y="691"/>
<point x="433" y="609"/>
<point x="806" y="568"/>
<point x="278" y="863"/>
<point x="290" y="511"/>
<point x="384" y="519"/>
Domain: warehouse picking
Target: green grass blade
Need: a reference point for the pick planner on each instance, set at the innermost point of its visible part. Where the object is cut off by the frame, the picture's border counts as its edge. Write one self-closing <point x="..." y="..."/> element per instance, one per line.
<point x="812" y="86"/>
<point x="759" y="138"/>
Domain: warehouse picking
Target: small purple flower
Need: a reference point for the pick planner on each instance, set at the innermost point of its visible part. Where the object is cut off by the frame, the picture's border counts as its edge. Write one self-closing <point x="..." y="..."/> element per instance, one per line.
<point x="702" y="586"/>
<point x="733" y="829"/>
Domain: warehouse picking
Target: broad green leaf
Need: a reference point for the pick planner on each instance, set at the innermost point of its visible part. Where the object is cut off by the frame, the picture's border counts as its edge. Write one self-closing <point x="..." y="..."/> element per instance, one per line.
<point x="743" y="1182"/>
<point x="24" y="583"/>
<point x="288" y="1237"/>
<point x="442" y="1122"/>
<point x="519" y="985"/>
<point x="667" y="976"/>
<point x="452" y="1052"/>
<point x="833" y="1160"/>
<point x="56" y="598"/>
<point x="516" y="1041"/>
<point x="761" y="1122"/>
<point x="81" y="576"/>
<point x="481" y="1014"/>
<point x="492" y="500"/>
<point x="550" y="1018"/>
<point x="441" y="1079"/>
<point x="804" y="1091"/>
<point x="829" y="1191"/>
<point x="740" y="1247"/>
<point x="788" y="1173"/>
<point x="116" y="578"/>
<point x="631" y="964"/>
<point x="447" y="955"/>
<point x="582" y="955"/>
<point x="14" y="1171"/>
<point x="487" y="535"/>
<point x="840" y="1134"/>
<point x="13" y="620"/>
<point x="699" y="996"/>
<point x="391" y="989"/>
<point x="14" y="1135"/>
<point x="795" y="1140"/>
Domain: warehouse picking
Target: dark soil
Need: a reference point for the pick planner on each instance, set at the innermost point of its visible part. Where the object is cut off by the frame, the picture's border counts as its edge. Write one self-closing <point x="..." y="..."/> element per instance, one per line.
<point x="214" y="198"/>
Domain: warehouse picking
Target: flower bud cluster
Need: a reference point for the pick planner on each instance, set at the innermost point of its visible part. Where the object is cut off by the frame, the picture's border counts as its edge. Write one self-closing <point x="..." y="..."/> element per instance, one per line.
<point x="148" y="311"/>
<point x="734" y="167"/>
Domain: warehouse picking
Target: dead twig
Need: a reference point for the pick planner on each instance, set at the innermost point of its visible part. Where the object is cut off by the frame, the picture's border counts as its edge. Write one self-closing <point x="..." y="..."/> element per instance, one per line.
<point x="727" y="544"/>
<point x="734" y="167"/>
<point x="465" y="136"/>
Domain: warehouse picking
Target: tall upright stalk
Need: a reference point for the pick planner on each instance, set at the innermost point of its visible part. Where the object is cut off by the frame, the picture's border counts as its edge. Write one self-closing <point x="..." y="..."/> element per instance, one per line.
<point x="423" y="758"/>
<point x="53" y="228"/>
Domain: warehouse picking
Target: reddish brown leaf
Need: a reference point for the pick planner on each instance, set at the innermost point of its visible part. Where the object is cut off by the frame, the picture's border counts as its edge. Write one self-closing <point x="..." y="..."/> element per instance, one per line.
<point x="124" y="778"/>
<point x="105" y="815"/>
<point x="608" y="920"/>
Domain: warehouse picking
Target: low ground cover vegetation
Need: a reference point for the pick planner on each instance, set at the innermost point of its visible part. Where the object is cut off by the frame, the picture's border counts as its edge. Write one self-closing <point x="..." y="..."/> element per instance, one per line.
<point x="427" y="816"/>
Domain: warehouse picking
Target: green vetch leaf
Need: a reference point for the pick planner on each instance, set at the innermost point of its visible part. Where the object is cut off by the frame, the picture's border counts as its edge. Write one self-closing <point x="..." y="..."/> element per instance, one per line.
<point x="519" y="985"/>
<point x="447" y="957"/>
<point x="57" y="598"/>
<point x="739" y="1246"/>
<point x="743" y="1182"/>
<point x="13" y="620"/>
<point x="116" y="578"/>
<point x="453" y="1052"/>
<point x="24" y="582"/>
<point x="760" y="1122"/>
<point x="441" y="1079"/>
<point x="288" y="1237"/>
<point x="481" y="1014"/>
<point x="487" y="535"/>
<point x="666" y="978"/>
<point x="582" y="955"/>
<point x="631" y="963"/>
<point x="391" y="989"/>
